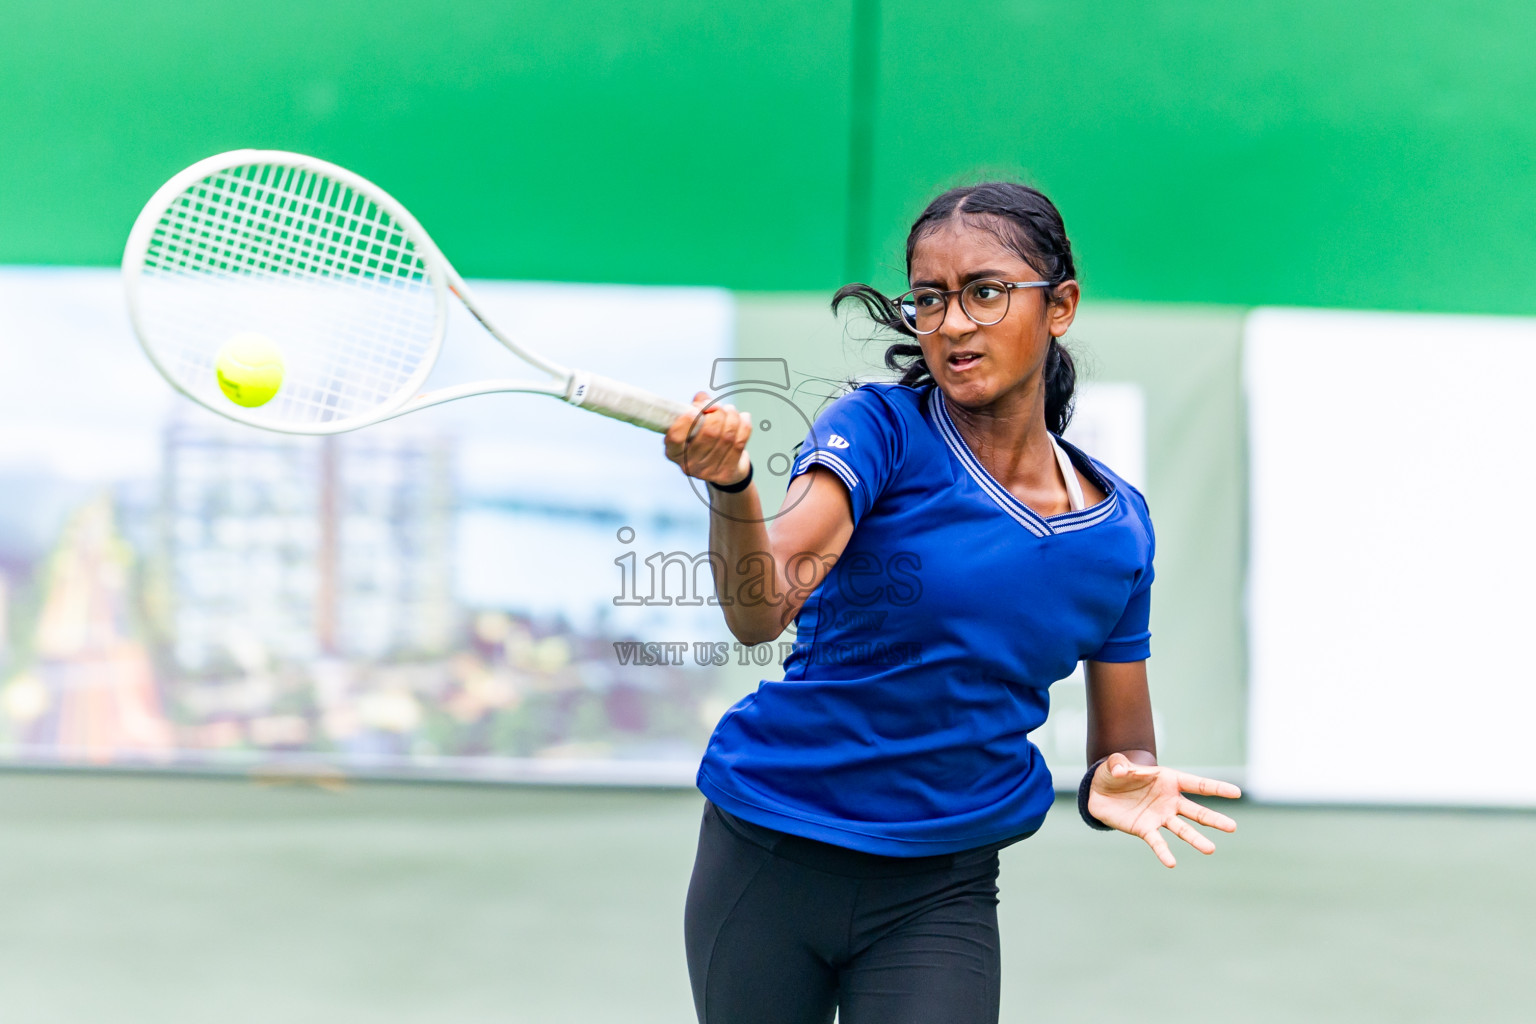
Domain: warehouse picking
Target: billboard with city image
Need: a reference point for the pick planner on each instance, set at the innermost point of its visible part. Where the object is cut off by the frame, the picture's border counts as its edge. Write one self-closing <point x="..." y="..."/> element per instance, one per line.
<point x="444" y="594"/>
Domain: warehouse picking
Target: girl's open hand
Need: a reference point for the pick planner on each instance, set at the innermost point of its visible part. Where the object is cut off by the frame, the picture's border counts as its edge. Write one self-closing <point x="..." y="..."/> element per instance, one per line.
<point x="1144" y="799"/>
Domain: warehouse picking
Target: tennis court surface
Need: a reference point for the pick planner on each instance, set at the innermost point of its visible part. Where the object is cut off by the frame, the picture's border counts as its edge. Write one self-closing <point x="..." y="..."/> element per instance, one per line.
<point x="170" y="900"/>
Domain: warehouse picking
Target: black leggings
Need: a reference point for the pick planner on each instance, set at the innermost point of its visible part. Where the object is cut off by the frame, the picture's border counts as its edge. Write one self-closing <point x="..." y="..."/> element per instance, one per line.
<point x="786" y="930"/>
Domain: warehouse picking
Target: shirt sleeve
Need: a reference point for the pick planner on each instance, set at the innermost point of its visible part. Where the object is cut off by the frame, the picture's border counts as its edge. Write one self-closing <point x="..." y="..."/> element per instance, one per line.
<point x="1131" y="639"/>
<point x="859" y="438"/>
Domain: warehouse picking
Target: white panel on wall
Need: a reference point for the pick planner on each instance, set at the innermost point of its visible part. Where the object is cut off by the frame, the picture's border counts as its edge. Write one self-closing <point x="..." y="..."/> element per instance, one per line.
<point x="1392" y="557"/>
<point x="1109" y="422"/>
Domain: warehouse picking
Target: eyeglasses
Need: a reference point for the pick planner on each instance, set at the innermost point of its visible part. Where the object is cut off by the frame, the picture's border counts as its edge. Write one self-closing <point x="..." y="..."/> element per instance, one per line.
<point x="985" y="301"/>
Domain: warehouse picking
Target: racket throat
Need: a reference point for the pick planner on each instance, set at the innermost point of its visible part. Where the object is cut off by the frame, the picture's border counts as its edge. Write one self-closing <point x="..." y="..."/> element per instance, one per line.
<point x="578" y="387"/>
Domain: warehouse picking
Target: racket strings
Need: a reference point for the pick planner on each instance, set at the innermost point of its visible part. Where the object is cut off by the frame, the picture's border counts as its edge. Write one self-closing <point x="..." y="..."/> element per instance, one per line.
<point x="314" y="264"/>
<point x="337" y="229"/>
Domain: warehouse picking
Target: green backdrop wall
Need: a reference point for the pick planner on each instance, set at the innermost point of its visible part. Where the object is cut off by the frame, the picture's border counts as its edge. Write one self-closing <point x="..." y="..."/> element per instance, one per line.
<point x="1369" y="154"/>
<point x="625" y="141"/>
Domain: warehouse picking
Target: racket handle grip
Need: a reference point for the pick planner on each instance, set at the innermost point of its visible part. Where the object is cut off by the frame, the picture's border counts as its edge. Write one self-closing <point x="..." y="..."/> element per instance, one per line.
<point x="621" y="401"/>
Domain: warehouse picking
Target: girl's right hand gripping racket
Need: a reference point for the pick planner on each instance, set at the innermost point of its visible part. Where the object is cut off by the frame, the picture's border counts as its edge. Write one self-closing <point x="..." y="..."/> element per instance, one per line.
<point x="335" y="286"/>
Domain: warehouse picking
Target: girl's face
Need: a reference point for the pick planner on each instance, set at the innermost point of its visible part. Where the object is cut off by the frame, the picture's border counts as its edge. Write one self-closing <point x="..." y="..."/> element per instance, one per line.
<point x="978" y="366"/>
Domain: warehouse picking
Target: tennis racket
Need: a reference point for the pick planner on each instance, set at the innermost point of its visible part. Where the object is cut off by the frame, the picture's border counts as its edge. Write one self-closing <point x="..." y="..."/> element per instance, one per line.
<point x="335" y="281"/>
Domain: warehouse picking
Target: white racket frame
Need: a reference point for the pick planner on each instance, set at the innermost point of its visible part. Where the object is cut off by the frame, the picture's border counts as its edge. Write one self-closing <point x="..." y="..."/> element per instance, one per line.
<point x="590" y="391"/>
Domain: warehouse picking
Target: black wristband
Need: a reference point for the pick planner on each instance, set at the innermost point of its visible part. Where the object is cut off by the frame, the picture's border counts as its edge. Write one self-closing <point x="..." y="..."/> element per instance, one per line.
<point x="1082" y="797"/>
<point x="738" y="486"/>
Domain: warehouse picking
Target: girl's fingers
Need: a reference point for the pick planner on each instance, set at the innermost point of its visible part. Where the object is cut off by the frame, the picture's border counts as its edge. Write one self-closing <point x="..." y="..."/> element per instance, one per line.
<point x="738" y="462"/>
<point x="702" y="442"/>
<point x="677" y="434"/>
<point x="727" y="453"/>
<point x="1205" y="816"/>
<point x="686" y="427"/>
<point x="733" y="433"/>
<point x="1208" y="787"/>
<point x="1159" y="846"/>
<point x="718" y="453"/>
<point x="1191" y="835"/>
<point x="709" y="441"/>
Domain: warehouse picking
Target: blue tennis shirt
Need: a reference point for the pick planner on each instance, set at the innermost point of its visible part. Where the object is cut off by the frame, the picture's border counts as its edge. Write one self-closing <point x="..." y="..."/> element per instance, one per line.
<point x="923" y="660"/>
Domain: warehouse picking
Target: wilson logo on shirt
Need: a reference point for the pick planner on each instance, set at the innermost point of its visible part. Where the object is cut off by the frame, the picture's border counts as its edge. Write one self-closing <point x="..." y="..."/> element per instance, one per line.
<point x="837" y="441"/>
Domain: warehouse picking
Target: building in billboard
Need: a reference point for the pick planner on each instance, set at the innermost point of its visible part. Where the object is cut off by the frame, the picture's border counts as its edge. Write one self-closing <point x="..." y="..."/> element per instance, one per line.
<point x="279" y="548"/>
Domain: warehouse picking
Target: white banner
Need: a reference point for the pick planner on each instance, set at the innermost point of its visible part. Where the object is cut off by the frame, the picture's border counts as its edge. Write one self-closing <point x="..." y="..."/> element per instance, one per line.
<point x="1392" y="557"/>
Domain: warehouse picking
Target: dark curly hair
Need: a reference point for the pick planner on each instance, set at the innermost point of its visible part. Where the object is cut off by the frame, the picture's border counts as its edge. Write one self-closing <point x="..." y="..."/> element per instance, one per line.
<point x="1029" y="226"/>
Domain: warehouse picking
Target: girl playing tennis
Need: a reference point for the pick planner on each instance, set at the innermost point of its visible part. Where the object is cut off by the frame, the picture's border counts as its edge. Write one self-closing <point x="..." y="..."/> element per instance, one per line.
<point x="945" y="560"/>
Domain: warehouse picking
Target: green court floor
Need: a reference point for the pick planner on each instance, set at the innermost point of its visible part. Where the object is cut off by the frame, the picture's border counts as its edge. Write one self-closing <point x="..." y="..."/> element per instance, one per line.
<point x="175" y="900"/>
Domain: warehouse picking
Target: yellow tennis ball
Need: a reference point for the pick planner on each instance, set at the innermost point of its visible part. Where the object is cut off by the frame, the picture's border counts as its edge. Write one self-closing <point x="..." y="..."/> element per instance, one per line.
<point x="250" y="369"/>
